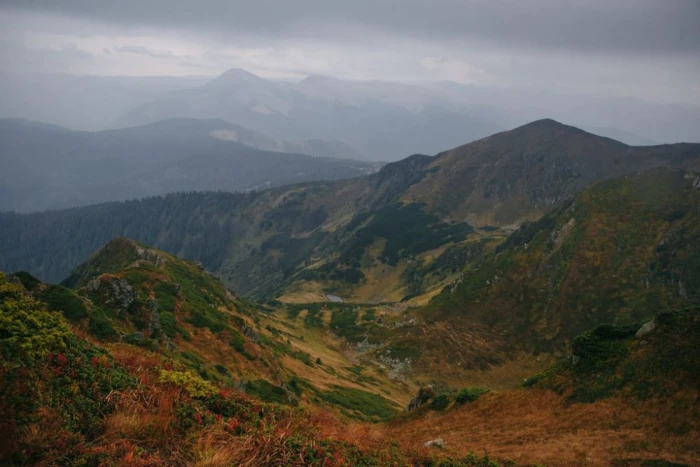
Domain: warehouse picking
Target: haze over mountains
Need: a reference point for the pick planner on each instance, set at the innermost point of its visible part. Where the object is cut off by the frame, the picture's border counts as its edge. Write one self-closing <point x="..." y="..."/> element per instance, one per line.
<point x="377" y="233"/>
<point x="378" y="120"/>
<point x="48" y="167"/>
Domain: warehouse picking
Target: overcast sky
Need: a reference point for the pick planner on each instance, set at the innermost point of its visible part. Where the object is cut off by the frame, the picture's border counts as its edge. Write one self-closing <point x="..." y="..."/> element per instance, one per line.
<point x="648" y="49"/>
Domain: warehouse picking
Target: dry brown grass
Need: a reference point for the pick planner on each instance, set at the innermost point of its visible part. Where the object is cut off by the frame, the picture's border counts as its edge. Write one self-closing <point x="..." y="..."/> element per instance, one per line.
<point x="530" y="426"/>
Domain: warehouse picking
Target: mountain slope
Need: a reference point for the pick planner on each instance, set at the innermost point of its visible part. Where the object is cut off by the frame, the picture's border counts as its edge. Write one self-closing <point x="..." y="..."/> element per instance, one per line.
<point x="620" y="400"/>
<point x="129" y="294"/>
<point x="289" y="233"/>
<point x="307" y="234"/>
<point x="521" y="174"/>
<point x="81" y="102"/>
<point x="47" y="167"/>
<point x="70" y="399"/>
<point x="620" y="252"/>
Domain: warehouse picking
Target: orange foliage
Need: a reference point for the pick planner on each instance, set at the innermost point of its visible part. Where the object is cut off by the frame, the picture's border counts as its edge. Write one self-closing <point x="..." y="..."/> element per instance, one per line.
<point x="533" y="426"/>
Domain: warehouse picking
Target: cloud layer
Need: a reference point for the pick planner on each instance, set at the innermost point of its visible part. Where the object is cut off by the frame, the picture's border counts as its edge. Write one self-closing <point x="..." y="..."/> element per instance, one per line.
<point x="641" y="48"/>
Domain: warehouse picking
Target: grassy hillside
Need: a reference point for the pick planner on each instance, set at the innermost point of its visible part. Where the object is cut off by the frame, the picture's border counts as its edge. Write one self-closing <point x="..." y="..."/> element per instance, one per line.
<point x="654" y="361"/>
<point x="173" y="350"/>
<point x="68" y="401"/>
<point x="521" y="174"/>
<point x="618" y="253"/>
<point x="131" y="294"/>
<point x="627" y="396"/>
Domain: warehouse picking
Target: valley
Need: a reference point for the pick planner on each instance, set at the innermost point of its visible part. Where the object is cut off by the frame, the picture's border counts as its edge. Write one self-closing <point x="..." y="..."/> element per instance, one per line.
<point x="481" y="279"/>
<point x="375" y="233"/>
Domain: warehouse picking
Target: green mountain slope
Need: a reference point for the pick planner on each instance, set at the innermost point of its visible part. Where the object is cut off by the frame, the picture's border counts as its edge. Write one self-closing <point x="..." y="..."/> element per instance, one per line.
<point x="656" y="360"/>
<point x="356" y="238"/>
<point x="127" y="294"/>
<point x="620" y="252"/>
<point x="521" y="174"/>
<point x="130" y="293"/>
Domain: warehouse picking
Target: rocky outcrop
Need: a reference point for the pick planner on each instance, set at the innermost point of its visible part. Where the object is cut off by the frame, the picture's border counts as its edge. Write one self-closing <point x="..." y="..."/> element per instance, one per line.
<point x="149" y="256"/>
<point x="435" y="443"/>
<point x="646" y="329"/>
<point x="398" y="368"/>
<point x="114" y="291"/>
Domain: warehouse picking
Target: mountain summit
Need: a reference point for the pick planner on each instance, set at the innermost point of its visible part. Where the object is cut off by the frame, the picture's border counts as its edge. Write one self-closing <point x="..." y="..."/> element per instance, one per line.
<point x="234" y="77"/>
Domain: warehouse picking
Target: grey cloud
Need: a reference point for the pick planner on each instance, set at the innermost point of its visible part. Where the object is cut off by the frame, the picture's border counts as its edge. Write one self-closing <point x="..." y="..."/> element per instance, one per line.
<point x="140" y="50"/>
<point x="62" y="58"/>
<point x="607" y="26"/>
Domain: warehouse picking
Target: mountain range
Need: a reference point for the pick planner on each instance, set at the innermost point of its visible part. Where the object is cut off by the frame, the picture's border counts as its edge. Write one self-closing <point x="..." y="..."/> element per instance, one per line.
<point x="376" y="120"/>
<point x="532" y="295"/>
<point x="382" y="128"/>
<point x="355" y="237"/>
<point x="49" y="167"/>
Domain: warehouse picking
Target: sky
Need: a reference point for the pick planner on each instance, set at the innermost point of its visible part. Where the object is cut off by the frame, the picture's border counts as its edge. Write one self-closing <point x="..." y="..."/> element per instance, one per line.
<point x="647" y="49"/>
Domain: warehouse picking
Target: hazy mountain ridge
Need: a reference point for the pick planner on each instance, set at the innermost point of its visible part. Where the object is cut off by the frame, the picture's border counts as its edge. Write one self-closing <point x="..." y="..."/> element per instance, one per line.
<point x="49" y="167"/>
<point x="88" y="103"/>
<point x="380" y="124"/>
<point x="380" y="119"/>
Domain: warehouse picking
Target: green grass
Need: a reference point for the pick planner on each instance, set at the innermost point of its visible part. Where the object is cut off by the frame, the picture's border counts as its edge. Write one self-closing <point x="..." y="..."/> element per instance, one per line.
<point x="266" y="391"/>
<point x="238" y="341"/>
<point x="405" y="349"/>
<point x="100" y="325"/>
<point x="166" y="294"/>
<point x="168" y="324"/>
<point x="362" y="404"/>
<point x="59" y="298"/>
<point x="610" y="360"/>
<point x="407" y="230"/>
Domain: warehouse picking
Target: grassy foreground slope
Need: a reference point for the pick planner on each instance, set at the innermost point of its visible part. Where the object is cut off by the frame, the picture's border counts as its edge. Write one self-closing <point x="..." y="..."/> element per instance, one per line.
<point x="129" y="294"/>
<point x="67" y="401"/>
<point x="628" y="397"/>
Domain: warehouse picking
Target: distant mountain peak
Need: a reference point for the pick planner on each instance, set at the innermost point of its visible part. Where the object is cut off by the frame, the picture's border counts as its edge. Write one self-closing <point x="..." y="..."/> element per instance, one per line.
<point x="235" y="76"/>
<point x="319" y="79"/>
<point x="545" y="123"/>
<point x="550" y="127"/>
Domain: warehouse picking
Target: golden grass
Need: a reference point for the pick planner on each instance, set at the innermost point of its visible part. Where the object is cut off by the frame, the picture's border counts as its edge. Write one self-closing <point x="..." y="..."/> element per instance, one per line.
<point x="531" y="426"/>
<point x="336" y="356"/>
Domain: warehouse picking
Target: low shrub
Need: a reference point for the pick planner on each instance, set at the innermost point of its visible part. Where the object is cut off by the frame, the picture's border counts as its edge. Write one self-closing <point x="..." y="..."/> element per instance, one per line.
<point x="193" y="384"/>
<point x="469" y="395"/>
<point x="440" y="402"/>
